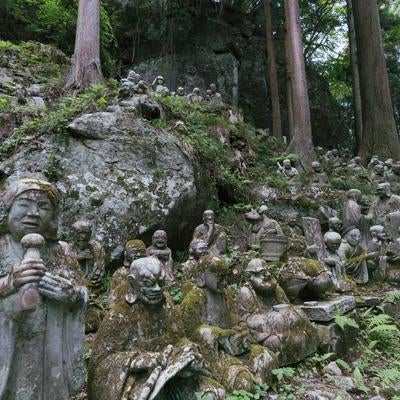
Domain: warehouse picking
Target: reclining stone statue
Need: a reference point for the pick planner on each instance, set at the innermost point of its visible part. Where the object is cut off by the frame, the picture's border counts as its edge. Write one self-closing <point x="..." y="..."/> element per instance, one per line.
<point x="42" y="304"/>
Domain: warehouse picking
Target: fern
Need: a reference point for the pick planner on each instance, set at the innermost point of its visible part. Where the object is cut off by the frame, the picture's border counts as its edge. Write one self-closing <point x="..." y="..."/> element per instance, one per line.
<point x="388" y="376"/>
<point x="359" y="381"/>
<point x="342" y="321"/>
<point x="343" y="364"/>
<point x="393" y="297"/>
<point x="384" y="329"/>
<point x="377" y="320"/>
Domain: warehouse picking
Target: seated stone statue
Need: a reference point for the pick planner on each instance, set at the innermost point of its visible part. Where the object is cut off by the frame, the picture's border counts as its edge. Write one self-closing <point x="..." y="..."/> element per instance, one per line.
<point x="160" y="249"/>
<point x="42" y="305"/>
<point x="159" y="87"/>
<point x="133" y="250"/>
<point x="213" y="234"/>
<point x="197" y="249"/>
<point x="318" y="175"/>
<point x="376" y="250"/>
<point x="354" y="255"/>
<point x="374" y="161"/>
<point x="332" y="159"/>
<point x="274" y="323"/>
<point x="88" y="252"/>
<point x="392" y="274"/>
<point x="215" y="97"/>
<point x="295" y="235"/>
<point x="385" y="203"/>
<point x="378" y="174"/>
<point x="334" y="262"/>
<point x="388" y="165"/>
<point x="335" y="224"/>
<point x="287" y="171"/>
<point x="394" y="178"/>
<point x="351" y="209"/>
<point x="195" y="97"/>
<point x="139" y="351"/>
<point x="180" y="92"/>
<point x="211" y="319"/>
<point x="356" y="166"/>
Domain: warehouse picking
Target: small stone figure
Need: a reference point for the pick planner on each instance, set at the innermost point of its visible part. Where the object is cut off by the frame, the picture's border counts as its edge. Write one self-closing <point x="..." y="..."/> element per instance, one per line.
<point x="376" y="261"/>
<point x="354" y="255"/>
<point x="42" y="304"/>
<point x="335" y="224"/>
<point x="287" y="171"/>
<point x="215" y="97"/>
<point x="378" y="174"/>
<point x="355" y="166"/>
<point x="137" y="353"/>
<point x="351" y="209"/>
<point x="210" y="317"/>
<point x="212" y="234"/>
<point x="195" y="97"/>
<point x="197" y="249"/>
<point x="88" y="252"/>
<point x="160" y="250"/>
<point x="332" y="159"/>
<point x="334" y="262"/>
<point x="385" y="203"/>
<point x="374" y="161"/>
<point x="318" y="175"/>
<point x="180" y="92"/>
<point x="274" y="323"/>
<point x="392" y="274"/>
<point x="295" y="235"/>
<point x="394" y="178"/>
<point x="158" y="85"/>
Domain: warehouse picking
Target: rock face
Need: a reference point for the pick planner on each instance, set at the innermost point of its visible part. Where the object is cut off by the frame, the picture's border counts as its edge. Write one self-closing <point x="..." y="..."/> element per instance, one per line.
<point x="120" y="173"/>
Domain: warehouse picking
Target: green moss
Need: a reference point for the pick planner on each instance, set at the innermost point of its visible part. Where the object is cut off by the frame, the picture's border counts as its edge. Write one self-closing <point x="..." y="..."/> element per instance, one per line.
<point x="304" y="202"/>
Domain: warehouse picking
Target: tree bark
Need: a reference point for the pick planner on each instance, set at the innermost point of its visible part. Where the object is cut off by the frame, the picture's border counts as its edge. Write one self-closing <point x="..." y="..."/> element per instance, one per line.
<point x="379" y="134"/>
<point x="272" y="73"/>
<point x="301" y="142"/>
<point x="289" y="105"/>
<point x="85" y="63"/>
<point x="357" y="108"/>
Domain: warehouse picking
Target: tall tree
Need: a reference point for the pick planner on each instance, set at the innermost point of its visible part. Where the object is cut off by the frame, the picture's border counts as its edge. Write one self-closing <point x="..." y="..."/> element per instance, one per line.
<point x="272" y="73"/>
<point x="357" y="107"/>
<point x="301" y="141"/>
<point x="85" y="63"/>
<point x="379" y="133"/>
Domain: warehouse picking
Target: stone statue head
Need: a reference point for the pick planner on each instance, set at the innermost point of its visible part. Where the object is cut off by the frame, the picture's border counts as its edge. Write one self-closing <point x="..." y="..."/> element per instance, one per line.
<point x="134" y="249"/>
<point x="146" y="281"/>
<point x="262" y="210"/>
<point x="160" y="239"/>
<point x="259" y="277"/>
<point x="335" y="153"/>
<point x="208" y="217"/>
<point x="377" y="232"/>
<point x="31" y="207"/>
<point x="180" y="91"/>
<point x="211" y="274"/>
<point x="197" y="249"/>
<point x="82" y="233"/>
<point x="287" y="164"/>
<point x="332" y="241"/>
<point x="389" y="163"/>
<point x="208" y="92"/>
<point x="160" y="80"/>
<point x="213" y="88"/>
<point x="196" y="91"/>
<point x="354" y="194"/>
<point x="133" y="76"/>
<point x="319" y="150"/>
<point x="383" y="190"/>
<point x="352" y="235"/>
<point x="357" y="160"/>
<point x="125" y="91"/>
<point x="316" y="166"/>
<point x="379" y="169"/>
<point x="335" y="224"/>
<point x="396" y="169"/>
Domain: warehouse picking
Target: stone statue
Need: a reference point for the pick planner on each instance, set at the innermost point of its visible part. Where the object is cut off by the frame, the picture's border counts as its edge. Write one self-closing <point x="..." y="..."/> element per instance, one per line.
<point x="160" y="249"/>
<point x="88" y="252"/>
<point x="197" y="249"/>
<point x="393" y="261"/>
<point x="335" y="224"/>
<point x="158" y="86"/>
<point x="388" y="165"/>
<point x="287" y="171"/>
<point x="374" y="161"/>
<point x="332" y="159"/>
<point x="351" y="209"/>
<point x="378" y="174"/>
<point x="394" y="178"/>
<point x="377" y="260"/>
<point x="42" y="306"/>
<point x="385" y="203"/>
<point x="215" y="97"/>
<point x="213" y="234"/>
<point x="355" y="165"/>
<point x="274" y="323"/>
<point x="318" y="175"/>
<point x="295" y="235"/>
<point x="180" y="92"/>
<point x="133" y="250"/>
<point x="210" y="317"/>
<point x="334" y="262"/>
<point x="354" y="255"/>
<point x="195" y="97"/>
<point x="138" y="352"/>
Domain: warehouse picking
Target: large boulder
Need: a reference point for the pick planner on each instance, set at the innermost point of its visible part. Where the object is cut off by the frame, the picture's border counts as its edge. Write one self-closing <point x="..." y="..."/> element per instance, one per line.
<point x="119" y="172"/>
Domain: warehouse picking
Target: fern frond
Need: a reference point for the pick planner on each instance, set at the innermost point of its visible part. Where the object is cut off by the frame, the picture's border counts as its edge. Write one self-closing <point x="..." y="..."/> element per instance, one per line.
<point x="388" y="376"/>
<point x="380" y="319"/>
<point x="342" y="321"/>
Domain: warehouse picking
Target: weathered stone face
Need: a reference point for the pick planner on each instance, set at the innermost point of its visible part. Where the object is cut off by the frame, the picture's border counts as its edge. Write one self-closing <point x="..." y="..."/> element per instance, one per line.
<point x="125" y="176"/>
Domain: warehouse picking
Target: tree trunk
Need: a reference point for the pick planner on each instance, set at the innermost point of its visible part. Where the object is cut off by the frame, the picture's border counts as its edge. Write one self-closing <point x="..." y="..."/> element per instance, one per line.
<point x="379" y="134"/>
<point x="272" y="74"/>
<point x="355" y="77"/>
<point x="289" y="105"/>
<point x="85" y="63"/>
<point x="301" y="143"/>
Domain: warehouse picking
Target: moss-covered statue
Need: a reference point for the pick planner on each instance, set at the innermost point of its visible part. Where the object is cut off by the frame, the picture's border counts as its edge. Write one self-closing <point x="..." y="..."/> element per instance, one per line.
<point x="213" y="234"/>
<point x="159" y="248"/>
<point x="139" y="352"/>
<point x="273" y="322"/>
<point x="42" y="306"/>
<point x="197" y="249"/>
<point x="385" y="203"/>
<point x="211" y="319"/>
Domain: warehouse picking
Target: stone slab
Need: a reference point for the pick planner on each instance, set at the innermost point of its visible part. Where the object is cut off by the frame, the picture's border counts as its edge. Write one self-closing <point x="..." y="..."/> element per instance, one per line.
<point x="324" y="311"/>
<point x="368" y="301"/>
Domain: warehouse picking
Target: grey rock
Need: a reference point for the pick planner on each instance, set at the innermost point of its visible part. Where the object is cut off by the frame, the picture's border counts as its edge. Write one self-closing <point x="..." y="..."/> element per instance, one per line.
<point x="325" y="310"/>
<point x="345" y="383"/>
<point x="332" y="369"/>
<point x="327" y="393"/>
<point x="38" y="102"/>
<point x="122" y="174"/>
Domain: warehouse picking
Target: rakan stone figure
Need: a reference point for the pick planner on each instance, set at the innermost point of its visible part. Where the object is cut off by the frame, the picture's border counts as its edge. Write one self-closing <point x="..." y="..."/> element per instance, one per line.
<point x="42" y="305"/>
<point x="160" y="249"/>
